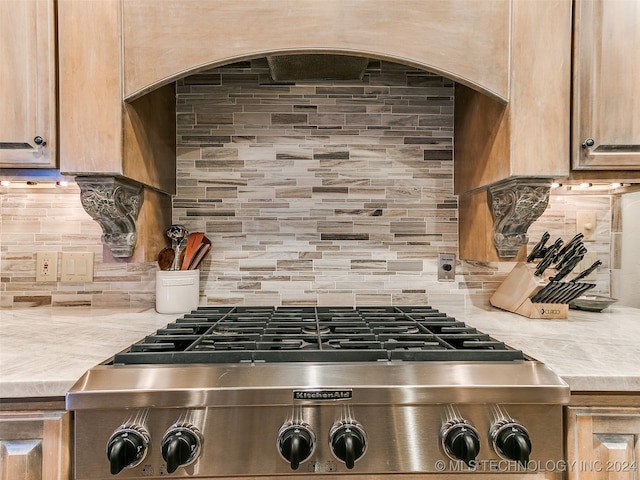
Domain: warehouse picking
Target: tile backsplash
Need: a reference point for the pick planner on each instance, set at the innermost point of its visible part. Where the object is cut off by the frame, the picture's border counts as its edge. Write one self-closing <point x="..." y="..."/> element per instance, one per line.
<point x="325" y="193"/>
<point x="52" y="219"/>
<point x="311" y="193"/>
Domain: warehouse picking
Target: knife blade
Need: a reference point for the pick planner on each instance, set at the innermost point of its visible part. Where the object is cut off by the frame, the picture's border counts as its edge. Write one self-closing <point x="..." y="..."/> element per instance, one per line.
<point x="586" y="272"/>
<point x="539" y="250"/>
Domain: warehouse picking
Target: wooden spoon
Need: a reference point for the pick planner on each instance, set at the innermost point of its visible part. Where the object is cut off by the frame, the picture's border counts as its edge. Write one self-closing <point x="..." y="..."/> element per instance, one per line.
<point x="193" y="243"/>
<point x="205" y="246"/>
<point x="165" y="258"/>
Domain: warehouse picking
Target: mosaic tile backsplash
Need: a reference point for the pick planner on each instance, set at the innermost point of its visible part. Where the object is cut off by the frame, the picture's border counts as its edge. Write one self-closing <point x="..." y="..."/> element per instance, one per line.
<point x="311" y="193"/>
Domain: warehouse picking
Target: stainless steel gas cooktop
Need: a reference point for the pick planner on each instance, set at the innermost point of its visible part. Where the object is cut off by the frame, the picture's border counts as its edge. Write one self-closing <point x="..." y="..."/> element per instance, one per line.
<point x="316" y="334"/>
<point x="271" y="391"/>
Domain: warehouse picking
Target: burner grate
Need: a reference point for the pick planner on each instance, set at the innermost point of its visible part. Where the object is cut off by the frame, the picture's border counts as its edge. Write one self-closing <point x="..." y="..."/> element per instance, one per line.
<point x="316" y="334"/>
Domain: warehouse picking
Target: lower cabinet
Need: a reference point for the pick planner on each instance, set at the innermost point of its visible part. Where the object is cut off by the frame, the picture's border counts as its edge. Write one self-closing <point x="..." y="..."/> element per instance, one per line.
<point x="35" y="445"/>
<point x="603" y="443"/>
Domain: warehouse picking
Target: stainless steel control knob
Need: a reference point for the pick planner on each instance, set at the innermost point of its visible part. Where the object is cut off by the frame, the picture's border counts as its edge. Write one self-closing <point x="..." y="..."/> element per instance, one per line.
<point x="127" y="447"/>
<point x="348" y="442"/>
<point x="511" y="441"/>
<point x="295" y="443"/>
<point x="180" y="446"/>
<point x="460" y="440"/>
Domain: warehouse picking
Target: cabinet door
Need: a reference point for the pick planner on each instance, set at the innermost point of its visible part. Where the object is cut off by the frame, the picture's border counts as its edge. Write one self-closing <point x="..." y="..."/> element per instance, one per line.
<point x="35" y="446"/>
<point x="27" y="84"/>
<point x="606" y="101"/>
<point x="603" y="443"/>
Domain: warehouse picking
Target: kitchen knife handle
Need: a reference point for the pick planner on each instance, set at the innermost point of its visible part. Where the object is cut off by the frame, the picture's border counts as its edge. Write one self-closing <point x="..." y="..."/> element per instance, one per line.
<point x="586" y="272"/>
<point x="544" y="292"/>
<point x="571" y="243"/>
<point x="582" y="288"/>
<point x="578" y="250"/>
<point x="568" y="267"/>
<point x="547" y="260"/>
<point x="538" y="250"/>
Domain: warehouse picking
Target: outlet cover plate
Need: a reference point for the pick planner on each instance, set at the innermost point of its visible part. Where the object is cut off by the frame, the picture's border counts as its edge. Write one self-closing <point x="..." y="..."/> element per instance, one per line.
<point x="46" y="266"/>
<point x="77" y="267"/>
<point x="446" y="267"/>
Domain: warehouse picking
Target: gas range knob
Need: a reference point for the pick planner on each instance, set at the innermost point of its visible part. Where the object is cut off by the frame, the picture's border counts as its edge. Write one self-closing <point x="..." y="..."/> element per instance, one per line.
<point x="127" y="447"/>
<point x="511" y="441"/>
<point x="180" y="446"/>
<point x="460" y="440"/>
<point x="295" y="443"/>
<point x="348" y="442"/>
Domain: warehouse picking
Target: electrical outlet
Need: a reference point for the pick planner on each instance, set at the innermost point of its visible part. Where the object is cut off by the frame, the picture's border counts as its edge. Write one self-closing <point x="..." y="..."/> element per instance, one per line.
<point x="46" y="266"/>
<point x="77" y="267"/>
<point x="446" y="267"/>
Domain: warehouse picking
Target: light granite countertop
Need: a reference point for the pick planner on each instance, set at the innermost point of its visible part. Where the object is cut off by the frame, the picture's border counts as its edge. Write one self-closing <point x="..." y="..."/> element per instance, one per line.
<point x="591" y="351"/>
<point x="44" y="350"/>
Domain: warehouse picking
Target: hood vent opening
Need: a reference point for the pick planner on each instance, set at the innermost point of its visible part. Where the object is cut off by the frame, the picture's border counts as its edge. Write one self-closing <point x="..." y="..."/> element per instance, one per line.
<point x="314" y="67"/>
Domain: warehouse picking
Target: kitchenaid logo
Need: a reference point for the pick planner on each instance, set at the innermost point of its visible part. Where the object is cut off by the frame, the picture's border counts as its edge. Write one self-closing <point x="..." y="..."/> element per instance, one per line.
<point x="322" y="394"/>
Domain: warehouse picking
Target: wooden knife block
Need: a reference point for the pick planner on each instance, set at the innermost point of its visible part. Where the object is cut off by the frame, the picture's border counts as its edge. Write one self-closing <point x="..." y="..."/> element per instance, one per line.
<point x="514" y="295"/>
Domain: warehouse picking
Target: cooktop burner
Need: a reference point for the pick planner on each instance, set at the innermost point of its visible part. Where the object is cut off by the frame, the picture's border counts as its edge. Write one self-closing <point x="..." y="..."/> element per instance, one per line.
<point x="316" y="334"/>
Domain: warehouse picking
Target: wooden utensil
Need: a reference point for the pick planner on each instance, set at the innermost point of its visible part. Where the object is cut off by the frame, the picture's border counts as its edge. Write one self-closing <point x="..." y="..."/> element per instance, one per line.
<point x="165" y="258"/>
<point x="205" y="246"/>
<point x="193" y="243"/>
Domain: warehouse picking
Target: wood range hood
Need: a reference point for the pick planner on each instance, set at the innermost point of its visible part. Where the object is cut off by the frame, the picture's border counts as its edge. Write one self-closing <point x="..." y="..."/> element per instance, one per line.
<point x="510" y="59"/>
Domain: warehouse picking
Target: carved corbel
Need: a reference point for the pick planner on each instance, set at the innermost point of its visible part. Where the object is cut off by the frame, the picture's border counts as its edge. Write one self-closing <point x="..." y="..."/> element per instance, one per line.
<point x="515" y="204"/>
<point x="113" y="203"/>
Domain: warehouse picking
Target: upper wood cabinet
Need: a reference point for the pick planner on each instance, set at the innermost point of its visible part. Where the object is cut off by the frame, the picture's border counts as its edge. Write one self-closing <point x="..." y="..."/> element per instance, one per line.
<point x="100" y="133"/>
<point x="606" y="85"/>
<point x="529" y="135"/>
<point x="28" y="84"/>
<point x="109" y="144"/>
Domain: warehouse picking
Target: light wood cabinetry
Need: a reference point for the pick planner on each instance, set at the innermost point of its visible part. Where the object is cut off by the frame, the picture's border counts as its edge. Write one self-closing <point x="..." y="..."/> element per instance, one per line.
<point x="104" y="137"/>
<point x="606" y="85"/>
<point x="511" y="60"/>
<point x="603" y="441"/>
<point x="166" y="39"/>
<point x="526" y="138"/>
<point x="35" y="445"/>
<point x="100" y="134"/>
<point x="28" y="84"/>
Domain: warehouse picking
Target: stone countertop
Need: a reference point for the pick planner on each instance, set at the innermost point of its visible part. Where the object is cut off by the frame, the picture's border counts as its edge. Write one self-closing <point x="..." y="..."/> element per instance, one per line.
<point x="44" y="350"/>
<point x="591" y="351"/>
